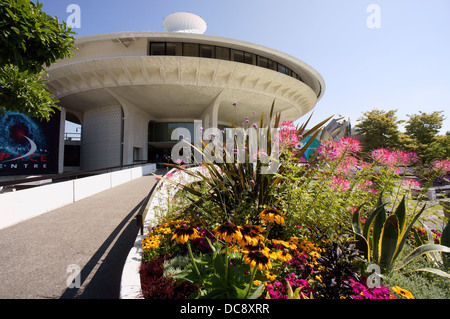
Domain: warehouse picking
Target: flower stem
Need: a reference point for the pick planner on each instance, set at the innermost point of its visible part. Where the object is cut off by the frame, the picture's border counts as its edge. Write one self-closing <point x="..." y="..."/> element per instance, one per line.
<point x="251" y="282"/>
<point x="192" y="258"/>
<point x="226" y="262"/>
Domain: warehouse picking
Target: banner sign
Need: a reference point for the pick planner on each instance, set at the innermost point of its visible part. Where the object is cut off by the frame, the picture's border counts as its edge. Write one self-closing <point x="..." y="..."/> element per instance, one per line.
<point x="28" y="146"/>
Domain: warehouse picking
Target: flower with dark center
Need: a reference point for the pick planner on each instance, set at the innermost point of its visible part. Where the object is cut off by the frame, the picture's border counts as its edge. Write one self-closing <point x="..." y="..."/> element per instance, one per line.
<point x="258" y="258"/>
<point x="184" y="232"/>
<point x="272" y="215"/>
<point x="250" y="234"/>
<point x="228" y="232"/>
<point x="403" y="292"/>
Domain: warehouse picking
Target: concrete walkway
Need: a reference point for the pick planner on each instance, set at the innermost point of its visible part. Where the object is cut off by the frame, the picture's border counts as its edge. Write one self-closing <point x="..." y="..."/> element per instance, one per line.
<point x="94" y="235"/>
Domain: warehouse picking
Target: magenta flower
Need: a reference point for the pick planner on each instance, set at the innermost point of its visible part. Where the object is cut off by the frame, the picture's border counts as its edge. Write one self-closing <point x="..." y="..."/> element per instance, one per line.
<point x="443" y="165"/>
<point x="339" y="184"/>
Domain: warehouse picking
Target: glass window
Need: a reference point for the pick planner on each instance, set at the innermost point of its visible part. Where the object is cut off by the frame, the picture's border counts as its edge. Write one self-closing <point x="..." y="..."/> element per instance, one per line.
<point x="174" y="49"/>
<point x="158" y="48"/>
<point x="190" y="49"/>
<point x="207" y="51"/>
<point x="282" y="69"/>
<point x="249" y="58"/>
<point x="262" y="62"/>
<point x="271" y="64"/>
<point x="237" y="56"/>
<point x="222" y="53"/>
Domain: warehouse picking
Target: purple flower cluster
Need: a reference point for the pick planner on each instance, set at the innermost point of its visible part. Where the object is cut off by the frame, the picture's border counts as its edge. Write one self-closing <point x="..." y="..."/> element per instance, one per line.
<point x="279" y="290"/>
<point x="362" y="292"/>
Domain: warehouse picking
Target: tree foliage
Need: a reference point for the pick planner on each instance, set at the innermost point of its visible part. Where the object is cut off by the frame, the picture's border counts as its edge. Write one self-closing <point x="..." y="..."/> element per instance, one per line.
<point x="423" y="128"/>
<point x="438" y="149"/>
<point x="30" y="40"/>
<point x="379" y="129"/>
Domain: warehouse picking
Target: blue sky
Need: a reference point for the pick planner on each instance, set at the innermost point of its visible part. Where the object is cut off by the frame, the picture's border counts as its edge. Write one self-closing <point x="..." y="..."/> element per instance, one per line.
<point x="404" y="64"/>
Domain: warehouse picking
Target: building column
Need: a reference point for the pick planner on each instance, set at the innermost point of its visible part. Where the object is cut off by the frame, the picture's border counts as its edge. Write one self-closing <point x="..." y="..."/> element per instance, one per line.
<point x="211" y="114"/>
<point x="135" y="131"/>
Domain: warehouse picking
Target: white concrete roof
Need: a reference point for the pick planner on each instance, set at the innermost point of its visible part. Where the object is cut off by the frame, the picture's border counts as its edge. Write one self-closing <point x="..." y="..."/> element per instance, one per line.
<point x="179" y="87"/>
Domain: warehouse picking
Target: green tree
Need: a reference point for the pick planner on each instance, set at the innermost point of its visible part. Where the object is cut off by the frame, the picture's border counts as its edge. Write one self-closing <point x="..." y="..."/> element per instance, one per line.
<point x="30" y="40"/>
<point x="438" y="149"/>
<point x="424" y="126"/>
<point x="378" y="129"/>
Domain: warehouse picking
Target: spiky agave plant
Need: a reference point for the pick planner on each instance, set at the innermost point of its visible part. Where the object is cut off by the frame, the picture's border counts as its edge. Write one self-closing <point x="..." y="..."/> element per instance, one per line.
<point x="383" y="236"/>
<point x="230" y="183"/>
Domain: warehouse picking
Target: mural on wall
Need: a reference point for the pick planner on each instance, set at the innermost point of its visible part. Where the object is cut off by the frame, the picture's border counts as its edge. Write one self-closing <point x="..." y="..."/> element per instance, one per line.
<point x="28" y="146"/>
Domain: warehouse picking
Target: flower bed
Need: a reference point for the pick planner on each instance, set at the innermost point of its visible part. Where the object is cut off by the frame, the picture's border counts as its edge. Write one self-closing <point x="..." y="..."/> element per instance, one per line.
<point x="317" y="229"/>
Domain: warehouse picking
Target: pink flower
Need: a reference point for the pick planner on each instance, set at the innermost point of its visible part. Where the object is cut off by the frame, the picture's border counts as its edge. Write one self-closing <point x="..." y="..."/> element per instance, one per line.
<point x="411" y="183"/>
<point x="333" y="150"/>
<point x="383" y="156"/>
<point x="443" y="165"/>
<point x="362" y="292"/>
<point x="350" y="145"/>
<point x="406" y="158"/>
<point x="339" y="184"/>
<point x="287" y="137"/>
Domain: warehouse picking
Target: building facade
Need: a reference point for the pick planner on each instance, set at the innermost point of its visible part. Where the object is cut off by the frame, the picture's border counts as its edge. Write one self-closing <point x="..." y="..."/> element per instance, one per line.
<point x="130" y="90"/>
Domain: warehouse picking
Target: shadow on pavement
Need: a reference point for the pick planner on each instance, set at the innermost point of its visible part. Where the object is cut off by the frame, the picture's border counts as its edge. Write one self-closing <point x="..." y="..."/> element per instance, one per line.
<point x="105" y="281"/>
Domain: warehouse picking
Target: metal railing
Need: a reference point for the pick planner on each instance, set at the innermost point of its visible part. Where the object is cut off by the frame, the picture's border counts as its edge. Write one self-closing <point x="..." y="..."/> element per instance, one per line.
<point x="72" y="136"/>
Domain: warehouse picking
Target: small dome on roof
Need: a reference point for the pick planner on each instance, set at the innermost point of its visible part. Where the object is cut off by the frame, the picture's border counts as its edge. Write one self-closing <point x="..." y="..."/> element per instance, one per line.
<point x="184" y="22"/>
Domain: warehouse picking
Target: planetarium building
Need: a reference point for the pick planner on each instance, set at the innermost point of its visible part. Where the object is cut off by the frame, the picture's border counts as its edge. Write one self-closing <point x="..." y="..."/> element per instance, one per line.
<point x="130" y="90"/>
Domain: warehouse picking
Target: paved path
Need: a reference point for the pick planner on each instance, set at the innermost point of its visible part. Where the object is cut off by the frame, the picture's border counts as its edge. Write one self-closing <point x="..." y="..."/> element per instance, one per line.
<point x="95" y="234"/>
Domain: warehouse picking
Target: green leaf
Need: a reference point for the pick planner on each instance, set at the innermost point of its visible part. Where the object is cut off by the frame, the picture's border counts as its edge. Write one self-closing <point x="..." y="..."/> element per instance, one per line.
<point x="258" y="292"/>
<point x="400" y="212"/>
<point x="406" y="231"/>
<point x="388" y="242"/>
<point x="433" y="271"/>
<point x="445" y="236"/>
<point x="419" y="251"/>
<point x="372" y="216"/>
<point x="435" y="257"/>
<point x="356" y="224"/>
<point x="363" y="246"/>
<point x="378" y="223"/>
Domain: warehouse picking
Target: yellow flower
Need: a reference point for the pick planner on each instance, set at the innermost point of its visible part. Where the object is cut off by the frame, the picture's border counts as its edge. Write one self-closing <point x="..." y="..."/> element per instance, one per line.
<point x="286" y="244"/>
<point x="283" y="256"/>
<point x="272" y="215"/>
<point x="250" y="234"/>
<point x="150" y="242"/>
<point x="228" y="232"/>
<point x="314" y="255"/>
<point x="258" y="258"/>
<point x="257" y="282"/>
<point x="185" y="232"/>
<point x="403" y="292"/>
<point x="270" y="275"/>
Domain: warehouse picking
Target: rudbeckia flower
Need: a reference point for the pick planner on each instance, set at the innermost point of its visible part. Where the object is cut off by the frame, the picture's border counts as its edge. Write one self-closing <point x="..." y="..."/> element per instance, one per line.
<point x="185" y="232"/>
<point x="403" y="292"/>
<point x="257" y="258"/>
<point x="228" y="232"/>
<point x="250" y="234"/>
<point x="284" y="256"/>
<point x="272" y="215"/>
